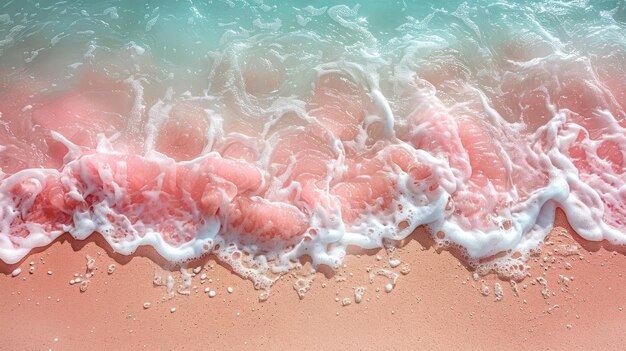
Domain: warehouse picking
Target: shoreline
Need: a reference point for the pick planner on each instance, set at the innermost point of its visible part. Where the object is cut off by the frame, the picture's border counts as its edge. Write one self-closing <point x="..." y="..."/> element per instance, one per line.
<point x="437" y="305"/>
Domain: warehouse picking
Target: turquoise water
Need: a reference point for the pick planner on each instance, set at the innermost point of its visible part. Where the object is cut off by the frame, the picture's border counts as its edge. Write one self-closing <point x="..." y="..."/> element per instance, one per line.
<point x="189" y="39"/>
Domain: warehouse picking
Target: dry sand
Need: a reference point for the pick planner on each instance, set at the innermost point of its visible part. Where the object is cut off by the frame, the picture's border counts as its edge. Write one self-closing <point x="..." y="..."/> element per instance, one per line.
<point x="437" y="305"/>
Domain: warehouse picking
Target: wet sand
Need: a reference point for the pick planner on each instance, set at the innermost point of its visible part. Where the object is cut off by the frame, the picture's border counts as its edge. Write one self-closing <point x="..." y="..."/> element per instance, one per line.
<point x="437" y="305"/>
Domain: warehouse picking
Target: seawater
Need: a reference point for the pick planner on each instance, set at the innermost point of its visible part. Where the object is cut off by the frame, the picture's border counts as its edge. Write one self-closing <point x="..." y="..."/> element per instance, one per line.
<point x="265" y="131"/>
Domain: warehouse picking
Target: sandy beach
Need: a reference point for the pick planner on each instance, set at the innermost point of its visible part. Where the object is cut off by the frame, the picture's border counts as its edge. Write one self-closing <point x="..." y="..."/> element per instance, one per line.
<point x="437" y="305"/>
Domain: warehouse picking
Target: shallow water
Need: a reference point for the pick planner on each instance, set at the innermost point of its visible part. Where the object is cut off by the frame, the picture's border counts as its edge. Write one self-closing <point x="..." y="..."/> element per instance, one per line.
<point x="267" y="131"/>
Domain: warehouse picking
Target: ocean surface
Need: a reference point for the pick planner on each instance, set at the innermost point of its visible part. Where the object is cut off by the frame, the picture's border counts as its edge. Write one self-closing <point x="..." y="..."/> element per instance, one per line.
<point x="265" y="131"/>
